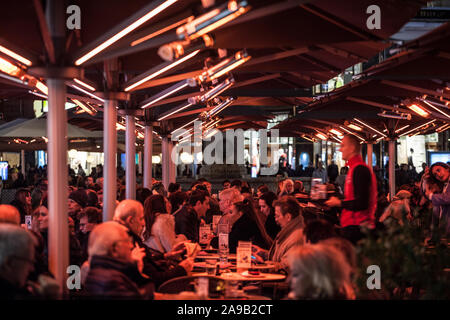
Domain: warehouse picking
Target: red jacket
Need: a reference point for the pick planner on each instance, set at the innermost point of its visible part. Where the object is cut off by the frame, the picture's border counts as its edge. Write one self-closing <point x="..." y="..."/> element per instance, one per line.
<point x="361" y="217"/>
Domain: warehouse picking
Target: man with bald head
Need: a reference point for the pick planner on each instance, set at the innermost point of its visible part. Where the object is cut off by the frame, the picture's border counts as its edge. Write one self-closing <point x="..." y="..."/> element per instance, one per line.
<point x="130" y="213"/>
<point x="9" y="214"/>
<point x="113" y="271"/>
<point x="360" y="202"/>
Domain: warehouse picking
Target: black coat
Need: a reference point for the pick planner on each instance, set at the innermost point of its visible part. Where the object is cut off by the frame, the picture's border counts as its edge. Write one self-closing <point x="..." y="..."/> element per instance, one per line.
<point x="11" y="292"/>
<point x="187" y="223"/>
<point x="110" y="278"/>
<point x="154" y="264"/>
<point x="244" y="229"/>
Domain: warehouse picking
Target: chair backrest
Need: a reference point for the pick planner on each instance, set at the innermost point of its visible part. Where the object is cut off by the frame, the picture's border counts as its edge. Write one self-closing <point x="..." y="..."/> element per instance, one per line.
<point x="187" y="283"/>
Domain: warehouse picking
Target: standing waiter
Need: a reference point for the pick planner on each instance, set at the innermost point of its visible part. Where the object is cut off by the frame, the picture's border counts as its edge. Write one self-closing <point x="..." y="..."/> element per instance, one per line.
<point x="360" y="202"/>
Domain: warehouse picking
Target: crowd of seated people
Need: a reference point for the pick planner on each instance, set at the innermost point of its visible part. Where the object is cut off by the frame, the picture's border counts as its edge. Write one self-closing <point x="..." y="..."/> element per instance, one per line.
<point x="145" y="244"/>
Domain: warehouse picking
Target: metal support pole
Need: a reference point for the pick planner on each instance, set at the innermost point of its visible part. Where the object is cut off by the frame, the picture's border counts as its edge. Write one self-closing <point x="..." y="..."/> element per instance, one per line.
<point x="173" y="165"/>
<point x="369" y="154"/>
<point x="58" y="227"/>
<point x="58" y="234"/>
<point x="392" y="145"/>
<point x="165" y="161"/>
<point x="110" y="155"/>
<point x="148" y="151"/>
<point x="22" y="162"/>
<point x="130" y="150"/>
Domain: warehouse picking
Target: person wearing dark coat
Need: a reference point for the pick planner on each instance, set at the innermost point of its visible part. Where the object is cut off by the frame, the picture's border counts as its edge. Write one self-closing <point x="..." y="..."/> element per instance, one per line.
<point x="246" y="227"/>
<point x="266" y="207"/>
<point x="130" y="214"/>
<point x="333" y="172"/>
<point x="113" y="273"/>
<point x="188" y="219"/>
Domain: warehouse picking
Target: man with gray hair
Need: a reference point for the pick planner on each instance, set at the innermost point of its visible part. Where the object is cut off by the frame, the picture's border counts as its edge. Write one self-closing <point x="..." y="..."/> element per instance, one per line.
<point x="16" y="261"/>
<point x="9" y="214"/>
<point x="130" y="213"/>
<point x="113" y="271"/>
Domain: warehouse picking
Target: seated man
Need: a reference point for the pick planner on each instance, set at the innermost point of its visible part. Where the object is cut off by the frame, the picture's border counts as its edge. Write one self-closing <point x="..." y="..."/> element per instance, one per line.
<point x="289" y="218"/>
<point x="188" y="219"/>
<point x="130" y="213"/>
<point x="113" y="271"/>
<point x="16" y="261"/>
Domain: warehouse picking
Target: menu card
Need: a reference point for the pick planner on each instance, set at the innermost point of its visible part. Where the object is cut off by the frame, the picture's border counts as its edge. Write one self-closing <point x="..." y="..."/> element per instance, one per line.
<point x="244" y="255"/>
<point x="205" y="231"/>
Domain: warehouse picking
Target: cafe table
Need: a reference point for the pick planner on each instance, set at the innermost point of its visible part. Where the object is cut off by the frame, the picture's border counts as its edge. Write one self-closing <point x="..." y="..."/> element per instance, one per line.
<point x="265" y="266"/>
<point x="245" y="276"/>
<point x="214" y="256"/>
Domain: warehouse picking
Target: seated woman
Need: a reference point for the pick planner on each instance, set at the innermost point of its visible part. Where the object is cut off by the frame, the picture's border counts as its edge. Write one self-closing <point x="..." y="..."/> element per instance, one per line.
<point x="159" y="233"/>
<point x="246" y="227"/>
<point x="320" y="272"/>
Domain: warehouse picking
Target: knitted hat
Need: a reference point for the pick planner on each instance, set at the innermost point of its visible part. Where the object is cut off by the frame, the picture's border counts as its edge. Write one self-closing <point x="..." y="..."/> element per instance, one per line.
<point x="79" y="196"/>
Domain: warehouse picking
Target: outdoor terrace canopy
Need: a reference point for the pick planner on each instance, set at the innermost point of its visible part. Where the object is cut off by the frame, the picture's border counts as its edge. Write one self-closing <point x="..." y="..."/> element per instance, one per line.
<point x="293" y="44"/>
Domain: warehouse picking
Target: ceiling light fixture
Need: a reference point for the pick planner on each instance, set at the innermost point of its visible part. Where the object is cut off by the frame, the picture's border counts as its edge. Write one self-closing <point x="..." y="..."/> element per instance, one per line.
<point x="167" y="92"/>
<point x="154" y="74"/>
<point x="15" y="56"/>
<point x="173" y="111"/>
<point x="419" y="110"/>
<point x="416" y="128"/>
<point x="212" y="20"/>
<point x="84" y="84"/>
<point x="212" y="93"/>
<point x="371" y="128"/>
<point x="136" y="24"/>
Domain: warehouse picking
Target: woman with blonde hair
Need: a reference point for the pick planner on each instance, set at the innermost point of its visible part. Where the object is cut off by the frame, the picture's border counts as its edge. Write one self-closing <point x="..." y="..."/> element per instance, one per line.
<point x="319" y="272"/>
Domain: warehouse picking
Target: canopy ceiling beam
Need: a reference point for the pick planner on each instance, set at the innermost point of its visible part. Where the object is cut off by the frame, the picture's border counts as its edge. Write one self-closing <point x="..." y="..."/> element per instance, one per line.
<point x="226" y="93"/>
<point x="305" y="77"/>
<point x="376" y="104"/>
<point x="416" y="88"/>
<point x="341" y="53"/>
<point x="45" y="32"/>
<point x="267" y="11"/>
<point x="325" y="66"/>
<point x="231" y="124"/>
<point x="340" y="23"/>
<point x="277" y="56"/>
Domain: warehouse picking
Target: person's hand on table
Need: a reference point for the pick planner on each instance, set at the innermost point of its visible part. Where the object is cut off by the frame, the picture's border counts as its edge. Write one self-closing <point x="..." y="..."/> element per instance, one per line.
<point x="187" y="264"/>
<point x="259" y="253"/>
<point x="333" y="202"/>
<point x="177" y="251"/>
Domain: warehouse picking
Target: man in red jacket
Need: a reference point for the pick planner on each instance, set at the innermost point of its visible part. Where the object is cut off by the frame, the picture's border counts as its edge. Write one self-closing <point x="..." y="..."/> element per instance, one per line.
<point x="360" y="201"/>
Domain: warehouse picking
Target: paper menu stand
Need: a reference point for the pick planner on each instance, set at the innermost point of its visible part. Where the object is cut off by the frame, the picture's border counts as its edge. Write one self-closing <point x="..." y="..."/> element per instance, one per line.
<point x="223" y="228"/>
<point x="244" y="255"/>
<point x="216" y="219"/>
<point x="204" y="232"/>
